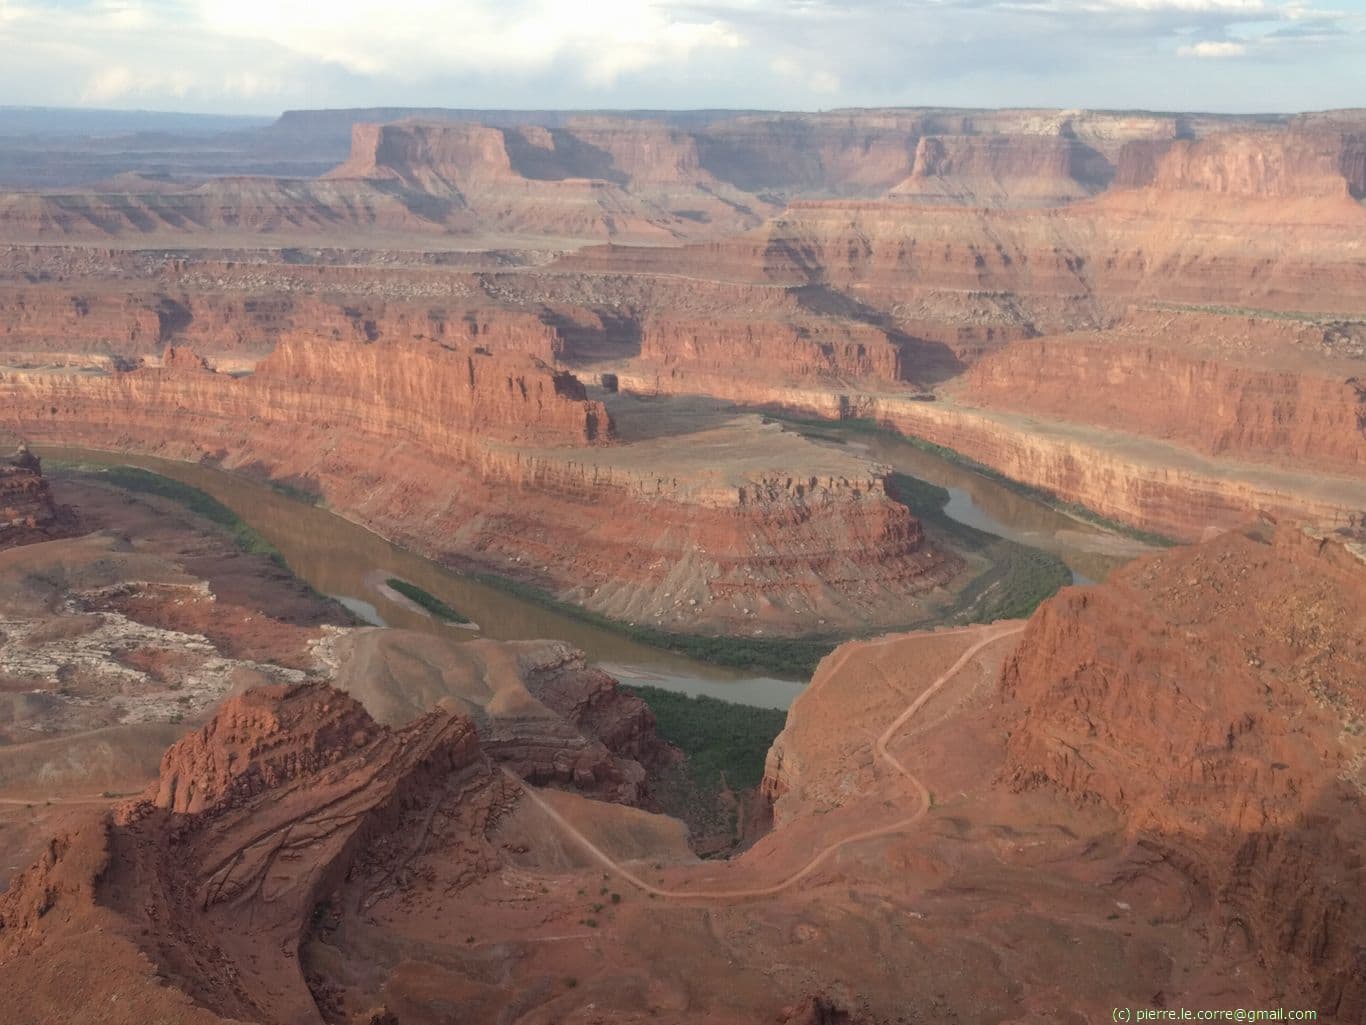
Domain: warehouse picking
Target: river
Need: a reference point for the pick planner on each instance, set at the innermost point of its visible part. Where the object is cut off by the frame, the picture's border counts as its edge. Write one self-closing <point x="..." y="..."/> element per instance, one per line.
<point x="350" y="563"/>
<point x="1089" y="551"/>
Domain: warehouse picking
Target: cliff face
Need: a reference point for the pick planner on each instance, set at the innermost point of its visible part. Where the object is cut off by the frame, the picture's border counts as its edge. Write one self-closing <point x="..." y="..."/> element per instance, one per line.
<point x="423" y="393"/>
<point x="1286" y="417"/>
<point x="1213" y="696"/>
<point x="500" y="463"/>
<point x="46" y="323"/>
<point x="1261" y="165"/>
<point x="819" y="349"/>
<point x="1008" y="170"/>
<point x="438" y="158"/>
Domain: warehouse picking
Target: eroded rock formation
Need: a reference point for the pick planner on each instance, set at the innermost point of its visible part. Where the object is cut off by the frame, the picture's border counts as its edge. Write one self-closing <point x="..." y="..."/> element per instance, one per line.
<point x="1213" y="696"/>
<point x="27" y="510"/>
<point x="256" y="819"/>
<point x="502" y="463"/>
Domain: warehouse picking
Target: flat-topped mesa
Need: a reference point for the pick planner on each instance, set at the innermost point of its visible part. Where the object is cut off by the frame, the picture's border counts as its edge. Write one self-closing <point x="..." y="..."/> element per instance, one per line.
<point x="1250" y="165"/>
<point x="1213" y="697"/>
<point x="1003" y="170"/>
<point x="453" y="156"/>
<point x="818" y="349"/>
<point x="440" y="158"/>
<point x="588" y="178"/>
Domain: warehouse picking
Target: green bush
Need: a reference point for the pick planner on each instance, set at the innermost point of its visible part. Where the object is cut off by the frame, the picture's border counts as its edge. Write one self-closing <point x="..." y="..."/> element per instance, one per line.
<point x="430" y="602"/>
<point x="720" y="738"/>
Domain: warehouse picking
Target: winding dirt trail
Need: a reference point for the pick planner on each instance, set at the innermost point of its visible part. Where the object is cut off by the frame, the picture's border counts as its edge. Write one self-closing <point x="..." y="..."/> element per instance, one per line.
<point x="825" y="853"/>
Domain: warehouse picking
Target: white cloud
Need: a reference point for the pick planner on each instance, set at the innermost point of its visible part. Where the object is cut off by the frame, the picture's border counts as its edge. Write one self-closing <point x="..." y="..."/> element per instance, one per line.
<point x="1212" y="50"/>
<point x="111" y="84"/>
<point x="265" y="55"/>
<point x="412" y="38"/>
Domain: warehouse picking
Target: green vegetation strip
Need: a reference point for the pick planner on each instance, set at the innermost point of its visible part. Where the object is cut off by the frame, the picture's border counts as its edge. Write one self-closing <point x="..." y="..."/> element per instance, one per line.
<point x="789" y="656"/>
<point x="720" y="738"/>
<point x="1020" y="576"/>
<point x="430" y="602"/>
<point x="144" y="482"/>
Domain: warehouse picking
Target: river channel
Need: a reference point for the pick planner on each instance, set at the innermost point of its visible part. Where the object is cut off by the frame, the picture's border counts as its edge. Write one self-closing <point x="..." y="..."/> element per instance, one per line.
<point x="350" y="563"/>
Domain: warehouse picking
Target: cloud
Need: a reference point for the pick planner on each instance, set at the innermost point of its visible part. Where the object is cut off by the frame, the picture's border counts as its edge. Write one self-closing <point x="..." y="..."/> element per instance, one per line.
<point x="1211" y="49"/>
<point x="601" y="41"/>
<point x="265" y="55"/>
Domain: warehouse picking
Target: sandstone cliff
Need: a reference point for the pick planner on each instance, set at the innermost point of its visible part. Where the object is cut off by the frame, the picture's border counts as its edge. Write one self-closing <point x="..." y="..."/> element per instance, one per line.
<point x="500" y="463"/>
<point x="1003" y="170"/>
<point x="1145" y="386"/>
<point x="822" y="349"/>
<point x="1261" y="165"/>
<point x="1213" y="696"/>
<point x="71" y="323"/>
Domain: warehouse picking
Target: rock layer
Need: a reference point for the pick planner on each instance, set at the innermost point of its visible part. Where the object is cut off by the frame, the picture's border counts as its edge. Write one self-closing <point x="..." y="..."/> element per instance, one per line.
<point x="1214" y="406"/>
<point x="501" y="463"/>
<point x="27" y="510"/>
<point x="1214" y="697"/>
<point x="257" y="817"/>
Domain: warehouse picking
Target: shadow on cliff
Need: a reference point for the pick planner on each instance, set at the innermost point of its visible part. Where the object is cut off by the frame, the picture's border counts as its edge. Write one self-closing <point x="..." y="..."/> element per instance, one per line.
<point x="610" y="336"/>
<point x="1291" y="897"/>
<point x="568" y="157"/>
<point x="923" y="362"/>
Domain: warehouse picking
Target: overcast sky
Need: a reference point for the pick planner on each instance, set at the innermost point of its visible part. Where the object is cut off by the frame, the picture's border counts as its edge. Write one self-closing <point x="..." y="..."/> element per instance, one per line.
<point x="263" y="56"/>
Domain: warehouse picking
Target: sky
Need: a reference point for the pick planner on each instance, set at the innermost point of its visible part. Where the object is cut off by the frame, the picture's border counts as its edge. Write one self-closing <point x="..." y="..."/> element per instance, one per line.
<point x="264" y="56"/>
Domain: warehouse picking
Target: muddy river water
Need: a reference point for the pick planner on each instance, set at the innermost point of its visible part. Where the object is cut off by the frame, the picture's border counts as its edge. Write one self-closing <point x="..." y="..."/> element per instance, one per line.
<point x="343" y="559"/>
<point x="1090" y="551"/>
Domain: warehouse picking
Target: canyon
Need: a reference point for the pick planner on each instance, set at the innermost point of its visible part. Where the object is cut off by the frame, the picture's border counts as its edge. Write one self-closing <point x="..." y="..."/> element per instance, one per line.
<point x="1003" y="797"/>
<point x="503" y="463"/>
<point x="638" y="371"/>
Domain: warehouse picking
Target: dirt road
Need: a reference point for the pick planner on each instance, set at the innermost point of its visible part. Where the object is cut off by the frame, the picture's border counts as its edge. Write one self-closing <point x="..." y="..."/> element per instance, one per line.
<point x="825" y="853"/>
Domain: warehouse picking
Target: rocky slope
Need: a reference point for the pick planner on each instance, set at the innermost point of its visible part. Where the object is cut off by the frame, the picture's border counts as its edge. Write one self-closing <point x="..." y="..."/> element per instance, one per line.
<point x="250" y="206"/>
<point x="1213" y="696"/>
<point x="256" y="819"/>
<point x="539" y="708"/>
